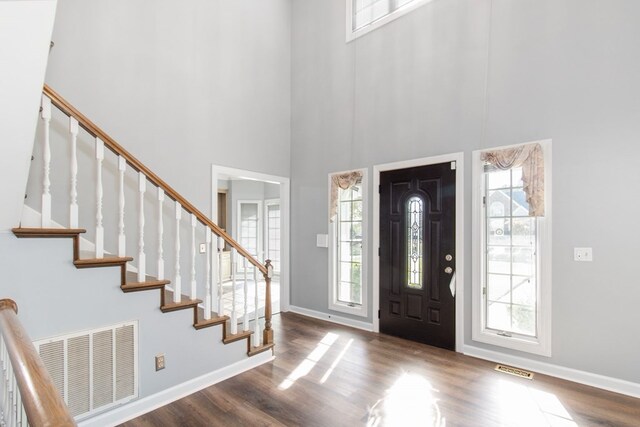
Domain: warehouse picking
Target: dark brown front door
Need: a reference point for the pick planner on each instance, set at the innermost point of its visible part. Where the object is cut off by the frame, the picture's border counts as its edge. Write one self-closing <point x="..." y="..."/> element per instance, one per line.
<point x="417" y="250"/>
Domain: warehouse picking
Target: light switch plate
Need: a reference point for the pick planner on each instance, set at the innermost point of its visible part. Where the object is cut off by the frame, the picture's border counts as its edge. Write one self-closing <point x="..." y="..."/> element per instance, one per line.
<point x="322" y="240"/>
<point x="583" y="254"/>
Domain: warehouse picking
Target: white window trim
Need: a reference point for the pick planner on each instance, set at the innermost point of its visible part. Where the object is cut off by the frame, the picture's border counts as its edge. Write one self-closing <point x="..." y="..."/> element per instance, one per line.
<point x="259" y="242"/>
<point x="352" y="35"/>
<point x="267" y="203"/>
<point x="334" y="304"/>
<point x="542" y="344"/>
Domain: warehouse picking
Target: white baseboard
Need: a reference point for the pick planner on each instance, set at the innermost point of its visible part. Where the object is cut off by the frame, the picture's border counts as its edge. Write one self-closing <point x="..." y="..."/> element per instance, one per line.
<point x="332" y="318"/>
<point x="595" y="380"/>
<point x="139" y="407"/>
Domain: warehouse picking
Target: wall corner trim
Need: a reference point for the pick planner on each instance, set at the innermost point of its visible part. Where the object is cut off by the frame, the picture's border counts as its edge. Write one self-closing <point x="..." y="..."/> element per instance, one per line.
<point x="615" y="385"/>
<point x="332" y="318"/>
<point x="147" y="404"/>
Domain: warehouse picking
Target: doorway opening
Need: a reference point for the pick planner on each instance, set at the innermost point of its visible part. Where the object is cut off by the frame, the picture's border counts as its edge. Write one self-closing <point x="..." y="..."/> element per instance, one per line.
<point x="253" y="209"/>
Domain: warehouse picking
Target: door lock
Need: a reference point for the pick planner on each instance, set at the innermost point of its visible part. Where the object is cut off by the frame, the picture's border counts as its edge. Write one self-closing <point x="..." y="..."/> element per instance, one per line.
<point x="448" y="257"/>
<point x="448" y="270"/>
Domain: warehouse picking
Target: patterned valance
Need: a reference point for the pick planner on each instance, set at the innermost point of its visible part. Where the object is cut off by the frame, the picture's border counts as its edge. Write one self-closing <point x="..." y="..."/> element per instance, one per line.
<point x="531" y="158"/>
<point x="345" y="181"/>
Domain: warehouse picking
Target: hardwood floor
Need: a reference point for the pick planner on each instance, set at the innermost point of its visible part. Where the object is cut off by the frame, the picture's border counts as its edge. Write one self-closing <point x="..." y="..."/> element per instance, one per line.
<point x="329" y="375"/>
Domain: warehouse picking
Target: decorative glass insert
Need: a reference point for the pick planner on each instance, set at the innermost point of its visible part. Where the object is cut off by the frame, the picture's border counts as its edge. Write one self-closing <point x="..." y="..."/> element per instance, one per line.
<point x="415" y="231"/>
<point x="349" y="246"/>
<point x="511" y="259"/>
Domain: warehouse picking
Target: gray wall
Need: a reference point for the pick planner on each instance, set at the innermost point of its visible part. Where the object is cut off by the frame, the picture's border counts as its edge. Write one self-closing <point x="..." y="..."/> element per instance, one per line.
<point x="181" y="83"/>
<point x="459" y="75"/>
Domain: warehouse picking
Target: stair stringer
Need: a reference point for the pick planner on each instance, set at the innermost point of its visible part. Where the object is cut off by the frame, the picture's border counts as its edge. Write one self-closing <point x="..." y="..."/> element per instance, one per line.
<point x="57" y="298"/>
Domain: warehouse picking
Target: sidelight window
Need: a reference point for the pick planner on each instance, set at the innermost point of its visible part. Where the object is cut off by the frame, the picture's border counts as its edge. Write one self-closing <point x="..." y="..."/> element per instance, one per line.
<point x="512" y="252"/>
<point x="347" y="243"/>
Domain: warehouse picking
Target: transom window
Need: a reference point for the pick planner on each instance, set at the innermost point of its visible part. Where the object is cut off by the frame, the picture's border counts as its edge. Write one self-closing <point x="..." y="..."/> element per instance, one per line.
<point x="367" y="15"/>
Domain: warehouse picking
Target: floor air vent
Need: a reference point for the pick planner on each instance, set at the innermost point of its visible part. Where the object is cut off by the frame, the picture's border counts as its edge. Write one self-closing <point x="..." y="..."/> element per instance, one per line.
<point x="514" y="371"/>
<point x="93" y="370"/>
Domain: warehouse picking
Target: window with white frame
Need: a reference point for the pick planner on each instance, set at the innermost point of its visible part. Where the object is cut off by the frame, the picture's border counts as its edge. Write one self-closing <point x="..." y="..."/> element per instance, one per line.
<point x="272" y="233"/>
<point x="347" y="291"/>
<point x="249" y="216"/>
<point x="366" y="15"/>
<point x="512" y="253"/>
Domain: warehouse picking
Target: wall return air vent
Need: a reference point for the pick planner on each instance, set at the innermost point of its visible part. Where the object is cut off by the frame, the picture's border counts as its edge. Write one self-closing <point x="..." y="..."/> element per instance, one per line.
<point x="93" y="370"/>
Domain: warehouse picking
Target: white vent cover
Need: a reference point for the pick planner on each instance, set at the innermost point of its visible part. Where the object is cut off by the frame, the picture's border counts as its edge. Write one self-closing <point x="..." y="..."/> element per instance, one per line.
<point x="93" y="370"/>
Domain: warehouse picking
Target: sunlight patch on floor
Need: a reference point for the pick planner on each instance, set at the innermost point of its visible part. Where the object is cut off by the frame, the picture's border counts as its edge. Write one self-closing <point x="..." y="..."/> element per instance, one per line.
<point x="335" y="362"/>
<point x="307" y="364"/>
<point x="409" y="402"/>
<point x="527" y="406"/>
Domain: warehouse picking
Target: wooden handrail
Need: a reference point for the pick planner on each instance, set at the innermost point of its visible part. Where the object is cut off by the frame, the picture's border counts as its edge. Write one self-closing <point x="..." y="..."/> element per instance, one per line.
<point x="42" y="401"/>
<point x="116" y="148"/>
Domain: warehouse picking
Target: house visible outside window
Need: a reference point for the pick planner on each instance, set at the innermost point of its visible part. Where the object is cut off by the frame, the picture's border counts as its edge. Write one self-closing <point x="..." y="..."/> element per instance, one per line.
<point x="512" y="254"/>
<point x="347" y="284"/>
<point x="366" y="15"/>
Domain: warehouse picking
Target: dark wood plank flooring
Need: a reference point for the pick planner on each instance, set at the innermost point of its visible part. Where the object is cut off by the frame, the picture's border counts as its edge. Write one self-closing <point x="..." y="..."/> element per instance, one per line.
<point x="329" y="375"/>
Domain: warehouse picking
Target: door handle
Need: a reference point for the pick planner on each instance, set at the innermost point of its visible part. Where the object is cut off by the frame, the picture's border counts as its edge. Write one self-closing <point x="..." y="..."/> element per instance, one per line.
<point x="448" y="270"/>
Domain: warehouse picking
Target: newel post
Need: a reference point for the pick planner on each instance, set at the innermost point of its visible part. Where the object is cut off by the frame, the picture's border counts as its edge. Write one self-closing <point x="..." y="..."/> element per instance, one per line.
<point x="267" y="335"/>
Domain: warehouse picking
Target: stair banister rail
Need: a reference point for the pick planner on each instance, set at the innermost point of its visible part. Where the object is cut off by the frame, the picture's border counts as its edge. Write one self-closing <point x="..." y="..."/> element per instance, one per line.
<point x="266" y="269"/>
<point x="29" y="391"/>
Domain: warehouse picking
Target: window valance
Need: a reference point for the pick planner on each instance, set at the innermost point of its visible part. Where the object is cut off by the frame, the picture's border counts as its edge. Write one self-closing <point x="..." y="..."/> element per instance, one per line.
<point x="531" y="158"/>
<point x="345" y="181"/>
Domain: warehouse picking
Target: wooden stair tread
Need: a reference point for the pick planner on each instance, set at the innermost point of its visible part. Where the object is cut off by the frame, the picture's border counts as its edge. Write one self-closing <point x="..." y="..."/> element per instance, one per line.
<point x="229" y="338"/>
<point x="184" y="303"/>
<point x="150" y="283"/>
<point x="260" y="349"/>
<point x="48" y="232"/>
<point x="101" y="262"/>
<point x="215" y="320"/>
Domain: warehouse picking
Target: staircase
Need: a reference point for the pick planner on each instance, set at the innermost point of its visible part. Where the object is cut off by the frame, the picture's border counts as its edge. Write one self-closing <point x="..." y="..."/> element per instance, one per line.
<point x="136" y="274"/>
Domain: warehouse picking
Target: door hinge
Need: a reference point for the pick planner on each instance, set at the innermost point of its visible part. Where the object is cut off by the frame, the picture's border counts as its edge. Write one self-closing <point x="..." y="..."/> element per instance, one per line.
<point x="484" y="291"/>
<point x="484" y="200"/>
<point x="378" y="314"/>
<point x="453" y="166"/>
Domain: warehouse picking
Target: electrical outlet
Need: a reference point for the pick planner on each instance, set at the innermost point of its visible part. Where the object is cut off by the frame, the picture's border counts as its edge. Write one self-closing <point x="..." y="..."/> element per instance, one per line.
<point x="203" y="248"/>
<point x="583" y="254"/>
<point x="159" y="362"/>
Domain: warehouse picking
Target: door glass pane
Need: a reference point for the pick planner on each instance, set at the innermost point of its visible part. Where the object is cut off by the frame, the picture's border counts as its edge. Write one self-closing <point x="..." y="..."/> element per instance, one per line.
<point x="273" y="235"/>
<point x="248" y="227"/>
<point x="415" y="231"/>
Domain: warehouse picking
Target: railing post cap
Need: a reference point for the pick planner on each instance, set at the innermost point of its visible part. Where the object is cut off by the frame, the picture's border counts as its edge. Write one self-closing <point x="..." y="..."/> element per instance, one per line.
<point x="8" y="303"/>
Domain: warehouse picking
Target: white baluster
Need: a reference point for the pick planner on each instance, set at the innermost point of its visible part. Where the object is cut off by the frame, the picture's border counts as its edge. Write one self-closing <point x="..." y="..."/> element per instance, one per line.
<point x="255" y="338"/>
<point x="142" y="259"/>
<point x="160" y="235"/>
<point x="178" y="280"/>
<point x="46" y="154"/>
<point x="122" y="240"/>
<point x="245" y="318"/>
<point x="73" y="207"/>
<point x="194" y="285"/>
<point x="208" y="295"/>
<point x="99" y="196"/>
<point x="234" y="315"/>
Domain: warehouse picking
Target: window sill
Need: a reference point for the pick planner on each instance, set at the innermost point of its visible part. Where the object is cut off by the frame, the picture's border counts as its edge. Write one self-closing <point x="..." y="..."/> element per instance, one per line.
<point x="527" y="345"/>
<point x="358" y="310"/>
